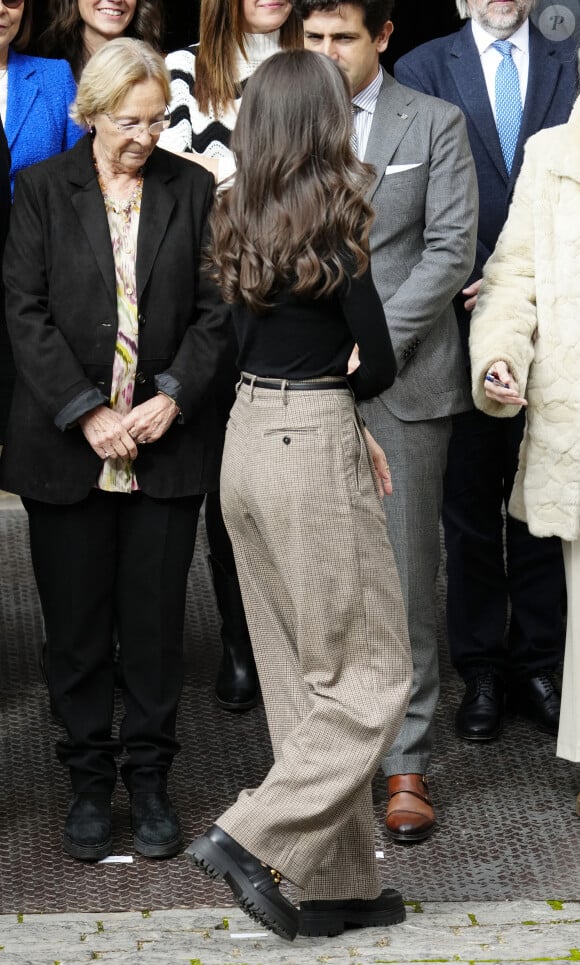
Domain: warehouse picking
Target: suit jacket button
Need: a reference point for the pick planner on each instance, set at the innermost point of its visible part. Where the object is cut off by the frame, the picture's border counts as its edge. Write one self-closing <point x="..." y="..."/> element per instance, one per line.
<point x="141" y="319"/>
<point x="140" y="378"/>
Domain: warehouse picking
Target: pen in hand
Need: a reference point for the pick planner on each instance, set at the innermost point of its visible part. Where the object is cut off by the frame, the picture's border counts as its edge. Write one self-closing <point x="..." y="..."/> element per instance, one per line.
<point x="496" y="381"/>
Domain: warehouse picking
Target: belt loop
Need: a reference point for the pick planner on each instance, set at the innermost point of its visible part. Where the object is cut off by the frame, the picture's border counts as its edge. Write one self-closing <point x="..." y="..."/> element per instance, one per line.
<point x="239" y="384"/>
<point x="252" y="382"/>
<point x="285" y="391"/>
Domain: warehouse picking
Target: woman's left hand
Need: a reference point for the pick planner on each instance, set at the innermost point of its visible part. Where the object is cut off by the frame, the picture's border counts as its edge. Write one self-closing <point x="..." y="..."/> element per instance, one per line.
<point x="380" y="465"/>
<point x="500" y="385"/>
<point x="149" y="421"/>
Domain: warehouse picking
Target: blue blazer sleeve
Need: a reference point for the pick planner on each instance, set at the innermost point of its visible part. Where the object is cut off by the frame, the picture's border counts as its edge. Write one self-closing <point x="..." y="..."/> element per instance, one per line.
<point x="40" y="93"/>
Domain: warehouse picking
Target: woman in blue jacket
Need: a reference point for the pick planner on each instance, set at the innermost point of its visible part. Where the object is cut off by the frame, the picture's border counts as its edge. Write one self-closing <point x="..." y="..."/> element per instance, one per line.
<point x="35" y="93"/>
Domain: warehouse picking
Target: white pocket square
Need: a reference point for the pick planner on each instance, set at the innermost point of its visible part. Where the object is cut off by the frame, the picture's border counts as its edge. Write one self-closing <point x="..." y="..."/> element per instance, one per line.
<point x="397" y="168"/>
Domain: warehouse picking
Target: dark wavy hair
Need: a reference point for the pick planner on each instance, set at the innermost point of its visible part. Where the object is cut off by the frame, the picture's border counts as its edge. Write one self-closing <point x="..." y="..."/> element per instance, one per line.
<point x="22" y="38"/>
<point x="64" y="36"/>
<point x="375" y="13"/>
<point x="296" y="214"/>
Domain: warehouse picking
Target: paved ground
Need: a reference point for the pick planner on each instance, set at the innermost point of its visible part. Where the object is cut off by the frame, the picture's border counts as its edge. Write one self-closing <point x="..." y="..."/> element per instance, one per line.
<point x="514" y="932"/>
<point x="472" y="933"/>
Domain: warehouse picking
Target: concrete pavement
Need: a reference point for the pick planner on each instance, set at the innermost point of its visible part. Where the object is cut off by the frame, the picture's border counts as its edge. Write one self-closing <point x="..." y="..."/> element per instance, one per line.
<point x="469" y="933"/>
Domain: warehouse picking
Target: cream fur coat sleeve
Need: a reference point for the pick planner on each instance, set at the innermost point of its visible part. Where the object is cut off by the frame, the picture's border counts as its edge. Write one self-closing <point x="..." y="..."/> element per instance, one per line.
<point x="528" y="314"/>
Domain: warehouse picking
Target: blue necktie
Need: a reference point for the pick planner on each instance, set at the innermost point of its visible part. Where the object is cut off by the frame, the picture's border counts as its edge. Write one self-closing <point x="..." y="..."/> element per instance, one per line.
<point x="508" y="102"/>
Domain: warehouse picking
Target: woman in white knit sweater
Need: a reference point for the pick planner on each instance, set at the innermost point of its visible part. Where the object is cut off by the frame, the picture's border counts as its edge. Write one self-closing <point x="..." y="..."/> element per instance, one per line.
<point x="207" y="79"/>
<point x="525" y="351"/>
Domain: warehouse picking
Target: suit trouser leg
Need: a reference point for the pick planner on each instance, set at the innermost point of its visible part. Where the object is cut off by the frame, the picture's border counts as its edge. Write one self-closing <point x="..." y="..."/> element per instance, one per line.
<point x="417" y="453"/>
<point x="73" y="550"/>
<point x="481" y="579"/>
<point x="112" y="559"/>
<point x="156" y="543"/>
<point x="328" y="630"/>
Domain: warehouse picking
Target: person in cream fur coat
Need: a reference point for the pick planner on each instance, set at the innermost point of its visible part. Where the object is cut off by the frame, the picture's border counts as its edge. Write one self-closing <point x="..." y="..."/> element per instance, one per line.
<point x="525" y="350"/>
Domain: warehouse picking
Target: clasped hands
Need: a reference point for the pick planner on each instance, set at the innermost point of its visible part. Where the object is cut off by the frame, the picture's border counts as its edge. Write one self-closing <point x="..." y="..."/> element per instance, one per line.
<point x="112" y="435"/>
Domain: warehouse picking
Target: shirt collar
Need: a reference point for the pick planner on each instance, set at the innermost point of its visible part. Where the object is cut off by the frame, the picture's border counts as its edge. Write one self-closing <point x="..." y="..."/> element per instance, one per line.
<point x="366" y="98"/>
<point x="483" y="40"/>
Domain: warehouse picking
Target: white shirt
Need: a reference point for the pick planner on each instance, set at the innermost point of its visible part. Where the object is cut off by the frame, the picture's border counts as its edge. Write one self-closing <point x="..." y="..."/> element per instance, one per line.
<point x="365" y="101"/>
<point x="491" y="58"/>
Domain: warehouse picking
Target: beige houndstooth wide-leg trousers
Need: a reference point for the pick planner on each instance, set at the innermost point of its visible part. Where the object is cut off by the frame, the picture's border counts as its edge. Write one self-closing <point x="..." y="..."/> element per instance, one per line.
<point x="328" y="629"/>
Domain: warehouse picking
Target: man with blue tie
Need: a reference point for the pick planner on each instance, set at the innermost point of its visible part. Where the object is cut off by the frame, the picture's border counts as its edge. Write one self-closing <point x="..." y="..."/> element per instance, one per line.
<point x="510" y="81"/>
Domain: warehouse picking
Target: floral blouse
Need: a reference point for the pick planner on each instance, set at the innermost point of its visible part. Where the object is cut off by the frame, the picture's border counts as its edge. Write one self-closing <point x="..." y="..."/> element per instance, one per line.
<point x="117" y="474"/>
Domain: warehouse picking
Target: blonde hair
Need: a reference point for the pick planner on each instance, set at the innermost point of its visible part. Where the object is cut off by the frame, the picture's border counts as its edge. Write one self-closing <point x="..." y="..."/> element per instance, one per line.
<point x="112" y="72"/>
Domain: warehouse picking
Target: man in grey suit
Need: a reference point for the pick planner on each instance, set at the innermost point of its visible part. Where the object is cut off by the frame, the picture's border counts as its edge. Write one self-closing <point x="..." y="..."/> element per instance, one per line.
<point x="422" y="250"/>
<point x="493" y="562"/>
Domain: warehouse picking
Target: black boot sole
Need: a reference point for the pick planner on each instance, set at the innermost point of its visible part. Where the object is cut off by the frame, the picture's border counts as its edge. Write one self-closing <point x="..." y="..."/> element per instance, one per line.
<point x="238" y="706"/>
<point x="168" y="849"/>
<point x="87" y="852"/>
<point x="318" y="924"/>
<point x="215" y="863"/>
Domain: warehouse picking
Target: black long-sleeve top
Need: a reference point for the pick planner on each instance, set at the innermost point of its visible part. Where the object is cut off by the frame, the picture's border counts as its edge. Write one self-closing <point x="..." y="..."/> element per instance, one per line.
<point x="308" y="338"/>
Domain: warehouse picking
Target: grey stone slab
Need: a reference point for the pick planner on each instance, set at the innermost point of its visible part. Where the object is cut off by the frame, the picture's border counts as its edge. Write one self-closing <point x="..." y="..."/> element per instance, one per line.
<point x="507" y="933"/>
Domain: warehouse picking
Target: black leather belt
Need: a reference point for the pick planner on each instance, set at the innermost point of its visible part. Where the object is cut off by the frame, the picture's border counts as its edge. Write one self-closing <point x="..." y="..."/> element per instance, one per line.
<point x="295" y="386"/>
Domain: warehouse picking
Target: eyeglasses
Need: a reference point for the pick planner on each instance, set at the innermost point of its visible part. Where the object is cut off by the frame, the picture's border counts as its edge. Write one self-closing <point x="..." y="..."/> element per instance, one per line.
<point x="12" y="4"/>
<point x="126" y="127"/>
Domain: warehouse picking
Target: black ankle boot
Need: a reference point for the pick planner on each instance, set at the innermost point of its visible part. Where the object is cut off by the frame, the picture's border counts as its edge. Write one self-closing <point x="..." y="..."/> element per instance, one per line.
<point x="156" y="831"/>
<point x="237" y="686"/>
<point x="87" y="829"/>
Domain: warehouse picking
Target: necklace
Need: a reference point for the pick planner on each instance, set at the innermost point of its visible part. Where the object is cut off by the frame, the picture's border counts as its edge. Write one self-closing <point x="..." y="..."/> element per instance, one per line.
<point x="121" y="205"/>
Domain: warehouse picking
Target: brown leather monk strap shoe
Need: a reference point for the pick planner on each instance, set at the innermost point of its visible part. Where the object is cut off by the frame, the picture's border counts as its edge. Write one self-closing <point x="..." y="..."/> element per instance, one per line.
<point x="410" y="815"/>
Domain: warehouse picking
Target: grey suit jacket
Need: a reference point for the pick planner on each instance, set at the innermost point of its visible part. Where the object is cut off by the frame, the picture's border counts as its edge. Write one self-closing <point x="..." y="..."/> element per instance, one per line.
<point x="422" y="244"/>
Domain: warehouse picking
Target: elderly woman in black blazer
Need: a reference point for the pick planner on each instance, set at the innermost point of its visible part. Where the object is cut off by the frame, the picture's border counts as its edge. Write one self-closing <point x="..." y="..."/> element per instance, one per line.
<point x="117" y="333"/>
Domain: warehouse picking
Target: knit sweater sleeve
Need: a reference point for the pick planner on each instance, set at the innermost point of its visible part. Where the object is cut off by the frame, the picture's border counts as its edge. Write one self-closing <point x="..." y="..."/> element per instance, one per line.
<point x="181" y="66"/>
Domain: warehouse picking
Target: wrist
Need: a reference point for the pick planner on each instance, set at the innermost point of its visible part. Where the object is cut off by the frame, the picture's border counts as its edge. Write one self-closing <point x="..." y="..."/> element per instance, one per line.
<point x="171" y="399"/>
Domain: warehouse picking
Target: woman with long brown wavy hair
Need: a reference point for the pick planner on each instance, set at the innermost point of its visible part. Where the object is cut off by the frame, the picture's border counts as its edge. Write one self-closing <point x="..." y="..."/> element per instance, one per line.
<point x="79" y="27"/>
<point x="207" y="82"/>
<point x="303" y="506"/>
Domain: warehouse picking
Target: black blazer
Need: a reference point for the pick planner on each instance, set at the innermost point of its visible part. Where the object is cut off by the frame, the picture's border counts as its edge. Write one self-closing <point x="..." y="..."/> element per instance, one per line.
<point x="6" y="365"/>
<point x="62" y="319"/>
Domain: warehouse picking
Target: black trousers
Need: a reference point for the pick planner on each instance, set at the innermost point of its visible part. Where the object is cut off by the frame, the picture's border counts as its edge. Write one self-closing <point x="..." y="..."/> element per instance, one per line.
<point x="219" y="542"/>
<point x="114" y="560"/>
<point x="483" y="577"/>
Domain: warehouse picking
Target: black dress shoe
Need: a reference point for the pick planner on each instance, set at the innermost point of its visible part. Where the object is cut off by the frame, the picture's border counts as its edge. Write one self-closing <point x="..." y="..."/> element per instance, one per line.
<point x="156" y="831"/>
<point x="480" y="713"/>
<point x="537" y="699"/>
<point x="254" y="885"/>
<point x="87" y="829"/>
<point x="333" y="917"/>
